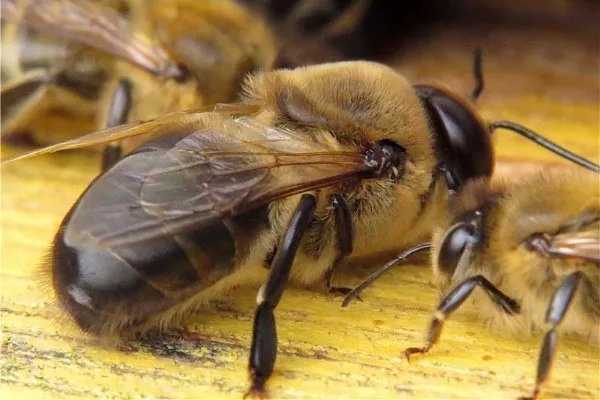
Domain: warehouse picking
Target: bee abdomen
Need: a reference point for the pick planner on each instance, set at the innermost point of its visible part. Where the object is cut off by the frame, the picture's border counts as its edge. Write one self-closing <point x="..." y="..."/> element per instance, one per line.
<point x="112" y="290"/>
<point x="116" y="289"/>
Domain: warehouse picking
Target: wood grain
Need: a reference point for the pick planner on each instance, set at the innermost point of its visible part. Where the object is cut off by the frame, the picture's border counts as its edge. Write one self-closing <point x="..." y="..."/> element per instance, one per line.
<point x="542" y="78"/>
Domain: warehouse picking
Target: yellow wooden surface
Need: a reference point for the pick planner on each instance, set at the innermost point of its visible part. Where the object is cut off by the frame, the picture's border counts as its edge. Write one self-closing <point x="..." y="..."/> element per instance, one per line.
<point x="541" y="78"/>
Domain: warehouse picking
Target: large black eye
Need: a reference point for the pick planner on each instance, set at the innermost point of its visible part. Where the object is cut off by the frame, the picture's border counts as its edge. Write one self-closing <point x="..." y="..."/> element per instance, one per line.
<point x="453" y="245"/>
<point x="463" y="141"/>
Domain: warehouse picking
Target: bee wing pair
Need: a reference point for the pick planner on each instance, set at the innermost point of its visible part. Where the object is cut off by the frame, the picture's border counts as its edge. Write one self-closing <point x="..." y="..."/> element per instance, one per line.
<point x="89" y="23"/>
<point x="217" y="167"/>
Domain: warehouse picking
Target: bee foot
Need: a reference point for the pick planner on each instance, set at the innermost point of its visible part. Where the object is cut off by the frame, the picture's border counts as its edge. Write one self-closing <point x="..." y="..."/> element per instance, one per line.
<point x="414" y="350"/>
<point x="533" y="396"/>
<point x="342" y="291"/>
<point x="256" y="391"/>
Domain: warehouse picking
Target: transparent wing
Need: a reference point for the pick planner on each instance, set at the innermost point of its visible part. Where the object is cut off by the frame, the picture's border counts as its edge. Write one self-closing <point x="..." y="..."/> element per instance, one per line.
<point x="583" y="242"/>
<point x="177" y="121"/>
<point x="90" y="23"/>
<point x="185" y="182"/>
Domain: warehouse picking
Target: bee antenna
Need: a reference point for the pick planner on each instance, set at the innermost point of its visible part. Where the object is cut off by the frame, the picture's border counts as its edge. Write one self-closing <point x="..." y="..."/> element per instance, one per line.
<point x="542" y="141"/>
<point x="355" y="293"/>
<point x="477" y="75"/>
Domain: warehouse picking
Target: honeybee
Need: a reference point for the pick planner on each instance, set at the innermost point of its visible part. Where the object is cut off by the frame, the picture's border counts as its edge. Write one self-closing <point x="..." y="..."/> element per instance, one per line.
<point x="315" y="166"/>
<point x="176" y="55"/>
<point x="533" y="247"/>
<point x="155" y="57"/>
<point x="48" y="85"/>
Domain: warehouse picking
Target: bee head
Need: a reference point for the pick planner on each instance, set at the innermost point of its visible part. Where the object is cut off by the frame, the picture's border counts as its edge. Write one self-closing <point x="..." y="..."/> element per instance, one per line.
<point x="463" y="140"/>
<point x="458" y="240"/>
<point x="456" y="247"/>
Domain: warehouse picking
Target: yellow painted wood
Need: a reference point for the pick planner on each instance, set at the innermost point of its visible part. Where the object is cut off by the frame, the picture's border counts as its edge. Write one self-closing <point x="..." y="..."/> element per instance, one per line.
<point x="539" y="78"/>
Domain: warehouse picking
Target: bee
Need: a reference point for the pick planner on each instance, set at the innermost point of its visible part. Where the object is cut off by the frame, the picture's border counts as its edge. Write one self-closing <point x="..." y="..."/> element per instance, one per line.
<point x="176" y="55"/>
<point x="316" y="166"/>
<point x="49" y="85"/>
<point x="135" y="60"/>
<point x="532" y="247"/>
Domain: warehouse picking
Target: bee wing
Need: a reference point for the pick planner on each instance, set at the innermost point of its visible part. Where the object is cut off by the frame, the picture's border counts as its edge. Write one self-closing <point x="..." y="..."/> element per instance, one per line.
<point x="86" y="22"/>
<point x="222" y="170"/>
<point x="583" y="243"/>
<point x="179" y="121"/>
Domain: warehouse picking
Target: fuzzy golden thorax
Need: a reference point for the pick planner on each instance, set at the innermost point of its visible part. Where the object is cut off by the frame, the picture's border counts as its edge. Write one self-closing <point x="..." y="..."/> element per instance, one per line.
<point x="349" y="106"/>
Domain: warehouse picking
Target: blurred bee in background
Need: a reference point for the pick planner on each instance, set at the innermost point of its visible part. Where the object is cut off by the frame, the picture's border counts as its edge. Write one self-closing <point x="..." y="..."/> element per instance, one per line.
<point x="174" y="54"/>
<point x="49" y="85"/>
<point x="168" y="56"/>
<point x="531" y="246"/>
<point x="315" y="166"/>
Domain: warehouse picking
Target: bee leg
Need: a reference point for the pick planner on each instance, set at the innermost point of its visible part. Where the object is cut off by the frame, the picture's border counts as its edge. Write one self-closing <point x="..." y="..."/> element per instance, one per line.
<point x="554" y="315"/>
<point x="264" y="335"/>
<point x="117" y="115"/>
<point x="20" y="99"/>
<point x="345" y="237"/>
<point x="453" y="300"/>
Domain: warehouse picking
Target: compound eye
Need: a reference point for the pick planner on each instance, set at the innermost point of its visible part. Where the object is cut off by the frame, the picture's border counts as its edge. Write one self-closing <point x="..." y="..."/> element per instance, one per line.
<point x="463" y="140"/>
<point x="453" y="246"/>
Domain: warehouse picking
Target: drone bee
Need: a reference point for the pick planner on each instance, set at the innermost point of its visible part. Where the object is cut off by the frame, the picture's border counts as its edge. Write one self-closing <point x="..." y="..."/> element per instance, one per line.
<point x="181" y="54"/>
<point x="315" y="166"/>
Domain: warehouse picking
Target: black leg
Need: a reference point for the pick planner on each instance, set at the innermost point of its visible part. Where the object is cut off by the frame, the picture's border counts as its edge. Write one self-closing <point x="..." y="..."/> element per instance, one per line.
<point x="453" y="300"/>
<point x="554" y="315"/>
<point x="345" y="238"/>
<point x="110" y="155"/>
<point x="355" y="293"/>
<point x="264" y="336"/>
<point x="343" y="224"/>
<point x="117" y="115"/>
